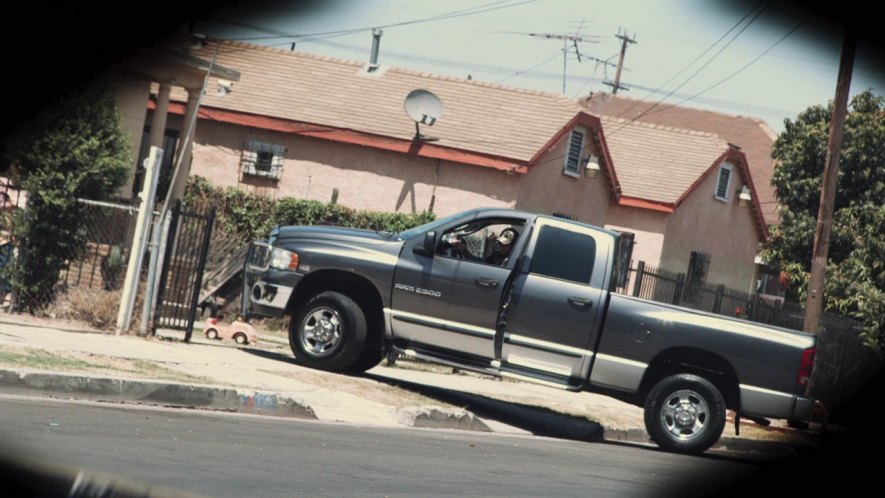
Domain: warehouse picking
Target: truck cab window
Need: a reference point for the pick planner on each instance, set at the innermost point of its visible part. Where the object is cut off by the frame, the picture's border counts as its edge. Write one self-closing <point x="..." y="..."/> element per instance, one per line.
<point x="483" y="241"/>
<point x="564" y="255"/>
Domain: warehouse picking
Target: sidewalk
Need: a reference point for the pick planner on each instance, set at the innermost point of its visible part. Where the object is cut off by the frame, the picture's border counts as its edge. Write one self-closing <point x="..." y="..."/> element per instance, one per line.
<point x="36" y="357"/>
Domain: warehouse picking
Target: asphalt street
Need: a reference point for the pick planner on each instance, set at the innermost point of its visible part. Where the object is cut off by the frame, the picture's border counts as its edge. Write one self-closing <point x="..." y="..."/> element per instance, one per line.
<point x="219" y="454"/>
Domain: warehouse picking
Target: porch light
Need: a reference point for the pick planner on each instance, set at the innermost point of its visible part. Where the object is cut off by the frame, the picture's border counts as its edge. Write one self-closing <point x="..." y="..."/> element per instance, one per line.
<point x="745" y="197"/>
<point x="591" y="168"/>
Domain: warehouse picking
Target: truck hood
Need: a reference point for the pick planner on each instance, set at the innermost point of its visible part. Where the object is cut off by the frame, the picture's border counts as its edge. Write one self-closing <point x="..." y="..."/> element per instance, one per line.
<point x="339" y="234"/>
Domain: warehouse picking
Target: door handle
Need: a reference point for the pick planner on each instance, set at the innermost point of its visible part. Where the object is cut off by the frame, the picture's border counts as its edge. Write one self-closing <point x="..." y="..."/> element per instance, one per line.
<point x="486" y="282"/>
<point x="580" y="302"/>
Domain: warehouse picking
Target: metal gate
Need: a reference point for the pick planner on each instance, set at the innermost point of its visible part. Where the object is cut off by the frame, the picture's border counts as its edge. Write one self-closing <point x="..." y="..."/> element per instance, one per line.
<point x="183" y="268"/>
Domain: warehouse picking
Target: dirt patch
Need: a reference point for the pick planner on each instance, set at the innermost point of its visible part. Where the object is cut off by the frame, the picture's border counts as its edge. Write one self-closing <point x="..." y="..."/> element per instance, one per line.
<point x="19" y="357"/>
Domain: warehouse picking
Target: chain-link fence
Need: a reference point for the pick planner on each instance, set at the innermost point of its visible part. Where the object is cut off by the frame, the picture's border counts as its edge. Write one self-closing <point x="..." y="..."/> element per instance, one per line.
<point x="99" y="261"/>
<point x="88" y="244"/>
<point x="12" y="201"/>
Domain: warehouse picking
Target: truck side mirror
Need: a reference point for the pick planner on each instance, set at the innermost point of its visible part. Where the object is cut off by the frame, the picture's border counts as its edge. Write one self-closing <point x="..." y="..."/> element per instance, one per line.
<point x="426" y="248"/>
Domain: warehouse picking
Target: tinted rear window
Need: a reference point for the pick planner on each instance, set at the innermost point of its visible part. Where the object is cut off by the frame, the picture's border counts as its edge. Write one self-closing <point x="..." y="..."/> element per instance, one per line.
<point x="564" y="255"/>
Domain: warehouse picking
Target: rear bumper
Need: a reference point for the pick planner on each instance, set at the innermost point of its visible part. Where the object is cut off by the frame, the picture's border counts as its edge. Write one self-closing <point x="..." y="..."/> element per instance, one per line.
<point x="775" y="404"/>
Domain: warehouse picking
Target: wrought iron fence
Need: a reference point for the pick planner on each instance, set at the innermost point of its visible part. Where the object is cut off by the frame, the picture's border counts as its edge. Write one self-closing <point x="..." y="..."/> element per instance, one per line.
<point x="657" y="284"/>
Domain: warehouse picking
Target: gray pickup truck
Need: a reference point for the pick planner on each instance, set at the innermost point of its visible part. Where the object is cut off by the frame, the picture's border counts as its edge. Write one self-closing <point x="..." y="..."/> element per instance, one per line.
<point x="529" y="297"/>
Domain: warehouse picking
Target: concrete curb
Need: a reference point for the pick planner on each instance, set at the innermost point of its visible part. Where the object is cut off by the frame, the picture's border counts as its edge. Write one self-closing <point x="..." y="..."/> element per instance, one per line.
<point x="93" y="388"/>
<point x="436" y="418"/>
<point x="152" y="393"/>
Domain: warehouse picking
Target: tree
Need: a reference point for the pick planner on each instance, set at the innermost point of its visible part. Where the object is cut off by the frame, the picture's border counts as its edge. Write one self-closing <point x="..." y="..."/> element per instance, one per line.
<point x="855" y="284"/>
<point x="74" y="149"/>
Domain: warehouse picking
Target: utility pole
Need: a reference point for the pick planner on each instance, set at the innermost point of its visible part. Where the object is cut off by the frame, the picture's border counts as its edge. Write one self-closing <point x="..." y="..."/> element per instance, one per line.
<point x="565" y="42"/>
<point x="814" y="301"/>
<point x="616" y="85"/>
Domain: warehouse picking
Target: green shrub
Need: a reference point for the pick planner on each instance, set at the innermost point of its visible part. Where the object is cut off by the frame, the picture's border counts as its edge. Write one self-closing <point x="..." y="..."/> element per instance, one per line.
<point x="76" y="148"/>
<point x="248" y="215"/>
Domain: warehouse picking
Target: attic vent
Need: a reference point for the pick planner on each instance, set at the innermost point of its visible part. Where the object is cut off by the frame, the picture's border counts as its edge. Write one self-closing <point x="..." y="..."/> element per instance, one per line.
<point x="573" y="159"/>
<point x="723" y="182"/>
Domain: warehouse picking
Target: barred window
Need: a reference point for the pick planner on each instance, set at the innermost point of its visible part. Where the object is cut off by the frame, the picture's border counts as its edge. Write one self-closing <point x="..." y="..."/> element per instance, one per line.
<point x="263" y="159"/>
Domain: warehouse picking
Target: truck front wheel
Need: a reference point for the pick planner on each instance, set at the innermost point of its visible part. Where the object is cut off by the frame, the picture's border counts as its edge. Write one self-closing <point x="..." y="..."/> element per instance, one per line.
<point x="685" y="413"/>
<point x="328" y="332"/>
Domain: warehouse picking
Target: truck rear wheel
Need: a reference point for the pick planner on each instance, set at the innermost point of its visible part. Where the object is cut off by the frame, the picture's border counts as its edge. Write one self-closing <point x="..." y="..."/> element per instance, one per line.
<point x="328" y="332"/>
<point x="685" y="413"/>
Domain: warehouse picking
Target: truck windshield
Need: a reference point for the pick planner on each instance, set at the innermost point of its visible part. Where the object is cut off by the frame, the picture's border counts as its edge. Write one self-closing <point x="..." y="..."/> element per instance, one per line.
<point x="420" y="229"/>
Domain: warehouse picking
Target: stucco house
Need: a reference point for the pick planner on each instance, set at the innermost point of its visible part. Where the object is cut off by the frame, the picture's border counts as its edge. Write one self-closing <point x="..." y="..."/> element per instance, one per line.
<point x="689" y="199"/>
<point x="308" y="126"/>
<point x="751" y="134"/>
<point x="304" y="126"/>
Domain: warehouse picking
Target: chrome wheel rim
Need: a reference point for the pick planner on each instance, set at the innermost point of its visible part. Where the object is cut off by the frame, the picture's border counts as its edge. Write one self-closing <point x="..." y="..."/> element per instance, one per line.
<point x="321" y="332"/>
<point x="685" y="415"/>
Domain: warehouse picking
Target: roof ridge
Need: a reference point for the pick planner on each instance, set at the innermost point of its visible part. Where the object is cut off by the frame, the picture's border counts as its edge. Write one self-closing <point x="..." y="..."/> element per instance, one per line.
<point x="292" y="53"/>
<point x="767" y="129"/>
<point x="738" y="116"/>
<point x="673" y="129"/>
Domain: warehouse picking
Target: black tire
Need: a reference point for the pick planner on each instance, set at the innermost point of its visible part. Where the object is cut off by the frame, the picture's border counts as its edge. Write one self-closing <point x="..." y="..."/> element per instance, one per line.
<point x="685" y="413"/>
<point x="797" y="424"/>
<point x="369" y="359"/>
<point x="241" y="339"/>
<point x="328" y="333"/>
<point x="211" y="334"/>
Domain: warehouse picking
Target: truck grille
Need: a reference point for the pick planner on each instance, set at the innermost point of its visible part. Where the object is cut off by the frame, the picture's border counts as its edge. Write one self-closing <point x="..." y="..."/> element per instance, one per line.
<point x="259" y="255"/>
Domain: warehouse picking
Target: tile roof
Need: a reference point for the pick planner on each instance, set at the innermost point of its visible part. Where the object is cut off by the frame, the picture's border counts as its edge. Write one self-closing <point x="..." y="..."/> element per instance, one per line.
<point x="752" y="135"/>
<point x="480" y="117"/>
<point x="659" y="163"/>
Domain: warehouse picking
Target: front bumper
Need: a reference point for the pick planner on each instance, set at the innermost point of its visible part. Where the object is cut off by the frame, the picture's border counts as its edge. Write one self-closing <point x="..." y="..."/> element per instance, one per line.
<point x="266" y="291"/>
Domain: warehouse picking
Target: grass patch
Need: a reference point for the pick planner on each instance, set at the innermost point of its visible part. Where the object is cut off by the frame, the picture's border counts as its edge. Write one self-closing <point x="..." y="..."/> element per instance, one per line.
<point x="91" y="363"/>
<point x="44" y="360"/>
<point x="96" y="308"/>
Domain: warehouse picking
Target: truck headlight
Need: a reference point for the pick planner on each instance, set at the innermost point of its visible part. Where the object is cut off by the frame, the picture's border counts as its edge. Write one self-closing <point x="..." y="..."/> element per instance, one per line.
<point x="282" y="259"/>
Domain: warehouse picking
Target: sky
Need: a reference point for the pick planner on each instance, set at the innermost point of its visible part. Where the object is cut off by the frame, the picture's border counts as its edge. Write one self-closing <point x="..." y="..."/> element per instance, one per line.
<point x="759" y="58"/>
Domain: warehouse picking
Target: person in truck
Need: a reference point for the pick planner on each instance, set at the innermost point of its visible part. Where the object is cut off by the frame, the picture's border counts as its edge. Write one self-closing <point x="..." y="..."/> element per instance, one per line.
<point x="503" y="244"/>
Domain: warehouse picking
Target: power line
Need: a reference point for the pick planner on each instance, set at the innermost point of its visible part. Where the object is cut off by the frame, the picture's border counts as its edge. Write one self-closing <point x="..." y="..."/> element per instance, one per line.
<point x="488" y="68"/>
<point x="707" y="63"/>
<point x="274" y="33"/>
<point x="723" y="80"/>
<point x="740" y="21"/>
<point x="704" y="65"/>
<point x="510" y="72"/>
<point x="519" y="73"/>
<point x="701" y="55"/>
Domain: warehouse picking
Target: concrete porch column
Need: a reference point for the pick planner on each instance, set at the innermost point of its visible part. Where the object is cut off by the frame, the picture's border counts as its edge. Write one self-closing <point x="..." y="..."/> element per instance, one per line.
<point x="161" y="112"/>
<point x="184" y="148"/>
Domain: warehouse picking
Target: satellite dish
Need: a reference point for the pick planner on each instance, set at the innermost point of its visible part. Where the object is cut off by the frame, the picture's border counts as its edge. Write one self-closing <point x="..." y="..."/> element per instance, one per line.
<point x="424" y="108"/>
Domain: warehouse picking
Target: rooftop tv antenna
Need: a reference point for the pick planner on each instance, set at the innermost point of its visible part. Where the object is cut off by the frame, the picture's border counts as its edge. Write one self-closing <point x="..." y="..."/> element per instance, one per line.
<point x="424" y="108"/>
